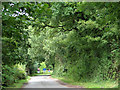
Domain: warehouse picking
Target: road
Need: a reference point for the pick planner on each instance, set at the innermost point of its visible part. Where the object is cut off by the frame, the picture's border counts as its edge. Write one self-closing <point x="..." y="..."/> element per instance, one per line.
<point x="43" y="82"/>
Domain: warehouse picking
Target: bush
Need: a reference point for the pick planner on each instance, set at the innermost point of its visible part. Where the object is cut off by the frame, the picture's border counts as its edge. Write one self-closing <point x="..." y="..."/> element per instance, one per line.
<point x="12" y="75"/>
<point x="21" y="73"/>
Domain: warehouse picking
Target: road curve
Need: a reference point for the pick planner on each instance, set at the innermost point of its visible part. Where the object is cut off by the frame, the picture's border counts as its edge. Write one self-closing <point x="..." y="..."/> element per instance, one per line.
<point x="43" y="82"/>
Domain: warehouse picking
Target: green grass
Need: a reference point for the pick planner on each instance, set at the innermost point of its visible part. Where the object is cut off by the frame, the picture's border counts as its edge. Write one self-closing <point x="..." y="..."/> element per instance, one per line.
<point x="20" y="83"/>
<point x="37" y="74"/>
<point x="42" y="73"/>
<point x="102" y="84"/>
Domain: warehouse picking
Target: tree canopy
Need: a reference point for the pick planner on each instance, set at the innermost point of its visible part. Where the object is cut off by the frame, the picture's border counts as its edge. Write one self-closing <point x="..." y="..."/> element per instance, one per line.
<point x="80" y="39"/>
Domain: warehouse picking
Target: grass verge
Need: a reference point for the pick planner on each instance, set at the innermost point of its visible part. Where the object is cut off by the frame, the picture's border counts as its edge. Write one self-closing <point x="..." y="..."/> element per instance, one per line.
<point x="43" y="73"/>
<point x="102" y="84"/>
<point x="37" y="74"/>
<point x="20" y="83"/>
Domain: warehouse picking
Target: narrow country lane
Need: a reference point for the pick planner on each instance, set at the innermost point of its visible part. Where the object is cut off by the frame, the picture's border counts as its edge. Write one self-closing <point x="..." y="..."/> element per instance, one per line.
<point x="43" y="82"/>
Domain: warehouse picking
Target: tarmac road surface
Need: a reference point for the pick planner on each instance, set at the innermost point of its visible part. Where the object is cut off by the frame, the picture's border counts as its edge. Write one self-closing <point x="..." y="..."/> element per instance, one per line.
<point x="43" y="82"/>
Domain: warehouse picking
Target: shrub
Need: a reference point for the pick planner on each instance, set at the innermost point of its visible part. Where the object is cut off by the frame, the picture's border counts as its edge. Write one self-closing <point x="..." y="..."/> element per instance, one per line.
<point x="12" y="74"/>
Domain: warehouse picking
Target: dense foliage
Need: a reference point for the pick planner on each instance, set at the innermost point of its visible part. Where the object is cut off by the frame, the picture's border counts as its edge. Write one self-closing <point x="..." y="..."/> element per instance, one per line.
<point x="14" y="44"/>
<point x="81" y="40"/>
<point x="12" y="75"/>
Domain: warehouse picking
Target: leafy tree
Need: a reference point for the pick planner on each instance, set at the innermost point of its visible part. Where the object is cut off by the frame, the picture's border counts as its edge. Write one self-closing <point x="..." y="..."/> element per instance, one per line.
<point x="80" y="39"/>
